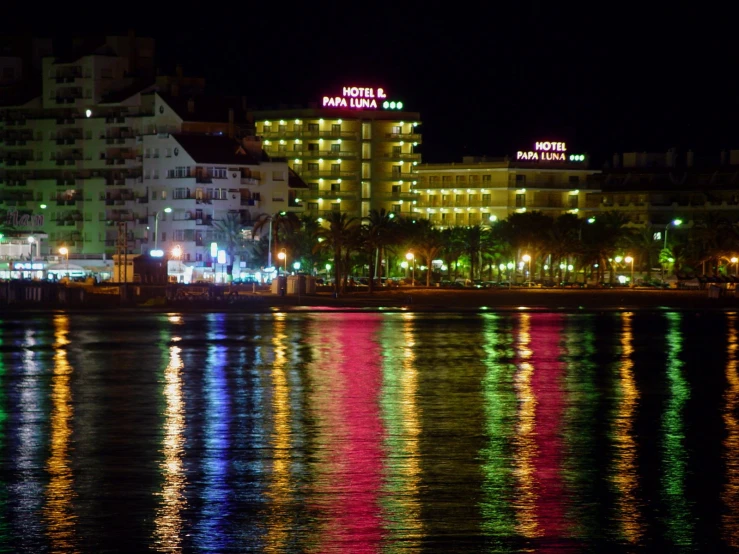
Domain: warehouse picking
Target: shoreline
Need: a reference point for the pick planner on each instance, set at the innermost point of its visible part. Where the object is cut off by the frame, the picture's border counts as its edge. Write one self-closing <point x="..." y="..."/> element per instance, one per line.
<point x="424" y="300"/>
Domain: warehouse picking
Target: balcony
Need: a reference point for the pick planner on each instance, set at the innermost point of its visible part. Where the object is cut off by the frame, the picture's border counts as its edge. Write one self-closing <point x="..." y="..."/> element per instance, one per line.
<point x="402" y="156"/>
<point x="329" y="174"/>
<point x="343" y="154"/>
<point x="412" y="137"/>
<point x="397" y="176"/>
<point x="327" y="195"/>
<point x="303" y="134"/>
<point x="249" y="181"/>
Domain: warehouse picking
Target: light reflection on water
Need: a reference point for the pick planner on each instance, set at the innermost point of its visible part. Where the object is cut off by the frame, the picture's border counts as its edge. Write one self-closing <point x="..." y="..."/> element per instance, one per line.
<point x="369" y="432"/>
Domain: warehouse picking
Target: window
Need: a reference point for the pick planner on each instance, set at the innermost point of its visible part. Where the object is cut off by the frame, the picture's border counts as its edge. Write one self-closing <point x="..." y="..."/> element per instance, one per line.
<point x="298" y="167"/>
<point x="155" y="174"/>
<point x="397" y="151"/>
<point x="336" y="147"/>
<point x="459" y="219"/>
<point x="520" y="179"/>
<point x="180" y="194"/>
<point x="278" y="176"/>
<point x="445" y="200"/>
<point x="335" y="187"/>
<point x="574" y="180"/>
<point x="297" y="147"/>
<point x="312" y="147"/>
<point x="153" y="195"/>
<point x="573" y="200"/>
<point x="282" y="128"/>
<point x="312" y="166"/>
<point x="396" y="170"/>
<point x="487" y="178"/>
<point x="267" y="129"/>
<point x="459" y="200"/>
<point x="281" y="148"/>
<point x="335" y="169"/>
<point x="396" y="189"/>
<point x="298" y="127"/>
<point x="312" y="206"/>
<point x="147" y="153"/>
<point x="164" y="236"/>
<point x="336" y="128"/>
<point x="396" y="208"/>
<point x="156" y="153"/>
<point x="313" y="127"/>
<point x="396" y="130"/>
<point x="520" y="200"/>
<point x="459" y="179"/>
<point x="313" y="186"/>
<point x="335" y="207"/>
<point x="485" y="199"/>
<point x="219" y="173"/>
<point x="164" y="195"/>
<point x="168" y="152"/>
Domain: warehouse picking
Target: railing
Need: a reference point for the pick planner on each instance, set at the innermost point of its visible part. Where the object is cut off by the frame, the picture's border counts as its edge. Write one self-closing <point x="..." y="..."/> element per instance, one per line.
<point x="305" y="134"/>
<point x="329" y="174"/>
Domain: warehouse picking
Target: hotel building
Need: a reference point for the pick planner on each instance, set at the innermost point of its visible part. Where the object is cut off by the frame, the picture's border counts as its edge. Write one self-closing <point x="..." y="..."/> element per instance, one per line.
<point x="352" y="159"/>
<point x="480" y="190"/>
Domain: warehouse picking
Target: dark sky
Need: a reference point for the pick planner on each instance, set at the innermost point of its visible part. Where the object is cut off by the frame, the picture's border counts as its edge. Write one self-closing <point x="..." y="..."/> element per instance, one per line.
<point x="487" y="80"/>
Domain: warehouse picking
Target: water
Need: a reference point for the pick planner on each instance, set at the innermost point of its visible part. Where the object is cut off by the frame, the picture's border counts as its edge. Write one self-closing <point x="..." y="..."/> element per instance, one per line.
<point x="369" y="432"/>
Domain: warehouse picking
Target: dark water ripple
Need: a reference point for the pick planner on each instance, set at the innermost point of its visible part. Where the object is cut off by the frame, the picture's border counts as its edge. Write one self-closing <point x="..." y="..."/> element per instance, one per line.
<point x="369" y="432"/>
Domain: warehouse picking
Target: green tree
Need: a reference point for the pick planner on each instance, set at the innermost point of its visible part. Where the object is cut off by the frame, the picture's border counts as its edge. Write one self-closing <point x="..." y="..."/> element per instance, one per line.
<point x="336" y="241"/>
<point x="377" y="233"/>
<point x="428" y="244"/>
<point x="229" y="231"/>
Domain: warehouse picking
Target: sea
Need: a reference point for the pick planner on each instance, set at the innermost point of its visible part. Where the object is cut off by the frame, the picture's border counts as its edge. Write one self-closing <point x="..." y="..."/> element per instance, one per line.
<point x="369" y="431"/>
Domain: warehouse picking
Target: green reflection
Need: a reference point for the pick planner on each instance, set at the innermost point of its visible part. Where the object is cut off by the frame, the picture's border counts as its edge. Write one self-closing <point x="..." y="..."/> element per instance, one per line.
<point x="581" y="415"/>
<point x="496" y="506"/>
<point x="679" y="523"/>
<point x="401" y="420"/>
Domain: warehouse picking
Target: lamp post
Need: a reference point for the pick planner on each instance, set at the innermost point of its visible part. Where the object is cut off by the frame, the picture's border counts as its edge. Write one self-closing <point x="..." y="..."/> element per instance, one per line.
<point x="412" y="258"/>
<point x="527" y="259"/>
<point x="676" y="223"/>
<point x="282" y="255"/>
<point x="735" y="261"/>
<point x="64" y="251"/>
<point x="156" y="225"/>
<point x="630" y="260"/>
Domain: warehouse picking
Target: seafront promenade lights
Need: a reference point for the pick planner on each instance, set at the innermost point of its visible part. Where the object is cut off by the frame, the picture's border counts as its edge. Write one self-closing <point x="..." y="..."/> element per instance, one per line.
<point x="412" y="259"/>
<point x="282" y="255"/>
<point x="735" y="261"/>
<point x="630" y="260"/>
<point x="64" y="251"/>
<point x="527" y="259"/>
<point x="676" y="223"/>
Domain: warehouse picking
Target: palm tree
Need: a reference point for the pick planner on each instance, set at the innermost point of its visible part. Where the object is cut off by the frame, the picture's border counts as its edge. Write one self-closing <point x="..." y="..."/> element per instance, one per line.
<point x="474" y="237"/>
<point x="561" y="241"/>
<point x="230" y="230"/>
<point x="454" y="247"/>
<point x="645" y="247"/>
<point x="335" y="241"/>
<point x="281" y="225"/>
<point x="377" y="233"/>
<point x="428" y="242"/>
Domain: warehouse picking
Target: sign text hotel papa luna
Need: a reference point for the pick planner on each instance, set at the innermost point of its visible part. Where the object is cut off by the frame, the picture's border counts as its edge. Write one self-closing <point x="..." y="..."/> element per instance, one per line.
<point x="355" y="97"/>
<point x="14" y="219"/>
<point x="546" y="151"/>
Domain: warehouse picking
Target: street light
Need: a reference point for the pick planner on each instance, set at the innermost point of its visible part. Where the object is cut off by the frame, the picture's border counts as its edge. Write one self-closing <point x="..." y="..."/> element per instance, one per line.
<point x="64" y="251"/>
<point x="526" y="258"/>
<point x="156" y="225"/>
<point x="630" y="260"/>
<point x="676" y="223"/>
<point x="735" y="261"/>
<point x="412" y="258"/>
<point x="282" y="255"/>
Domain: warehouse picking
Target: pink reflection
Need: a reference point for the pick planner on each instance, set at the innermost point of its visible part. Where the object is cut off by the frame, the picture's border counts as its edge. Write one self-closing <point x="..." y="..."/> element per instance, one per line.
<point x="547" y="386"/>
<point x="350" y="468"/>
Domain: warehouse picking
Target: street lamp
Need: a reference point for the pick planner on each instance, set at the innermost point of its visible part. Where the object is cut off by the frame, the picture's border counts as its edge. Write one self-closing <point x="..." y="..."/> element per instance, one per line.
<point x="282" y="255"/>
<point x="735" y="261"/>
<point x="676" y="223"/>
<point x="156" y="225"/>
<point x="526" y="258"/>
<point x="64" y="251"/>
<point x="630" y="260"/>
<point x="412" y="258"/>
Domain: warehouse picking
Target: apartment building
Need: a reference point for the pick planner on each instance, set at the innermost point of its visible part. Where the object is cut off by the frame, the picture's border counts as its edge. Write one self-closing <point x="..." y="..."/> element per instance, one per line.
<point x="356" y="152"/>
<point x="191" y="181"/>
<point x="72" y="150"/>
<point x="654" y="188"/>
<point x="482" y="189"/>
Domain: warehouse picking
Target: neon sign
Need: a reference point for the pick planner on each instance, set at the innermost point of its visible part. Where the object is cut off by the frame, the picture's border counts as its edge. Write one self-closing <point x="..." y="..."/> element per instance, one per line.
<point x="547" y="151"/>
<point x="360" y="98"/>
<point x="14" y="219"/>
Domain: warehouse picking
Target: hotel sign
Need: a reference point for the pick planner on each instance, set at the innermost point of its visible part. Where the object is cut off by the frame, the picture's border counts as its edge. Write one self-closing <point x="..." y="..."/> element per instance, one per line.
<point x="360" y="98"/>
<point x="548" y="151"/>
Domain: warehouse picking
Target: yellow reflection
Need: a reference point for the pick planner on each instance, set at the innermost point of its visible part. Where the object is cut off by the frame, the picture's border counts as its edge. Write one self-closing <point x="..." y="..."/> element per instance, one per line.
<point x="730" y="494"/>
<point x="58" y="510"/>
<point x="280" y="488"/>
<point x="525" y="442"/>
<point x="169" y="521"/>
<point x="625" y="478"/>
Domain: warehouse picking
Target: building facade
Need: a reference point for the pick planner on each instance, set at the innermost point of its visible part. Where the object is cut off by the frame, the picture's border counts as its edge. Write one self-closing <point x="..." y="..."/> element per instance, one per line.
<point x="72" y="152"/>
<point x="480" y="190"/>
<point x="657" y="188"/>
<point x="352" y="159"/>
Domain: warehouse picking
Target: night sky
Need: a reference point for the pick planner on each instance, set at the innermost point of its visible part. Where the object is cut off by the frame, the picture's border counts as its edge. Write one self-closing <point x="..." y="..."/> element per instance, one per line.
<point x="487" y="81"/>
